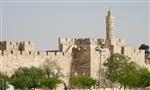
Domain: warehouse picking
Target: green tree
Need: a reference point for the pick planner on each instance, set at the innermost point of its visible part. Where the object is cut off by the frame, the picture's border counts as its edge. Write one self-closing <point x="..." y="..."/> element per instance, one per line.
<point x="144" y="47"/>
<point x="26" y="78"/>
<point x="144" y="78"/>
<point x="114" y="65"/>
<point x="3" y="81"/>
<point x="120" y="70"/>
<point x="21" y="82"/>
<point x="50" y="82"/>
<point x="82" y="82"/>
<point x="128" y="76"/>
<point x="24" y="74"/>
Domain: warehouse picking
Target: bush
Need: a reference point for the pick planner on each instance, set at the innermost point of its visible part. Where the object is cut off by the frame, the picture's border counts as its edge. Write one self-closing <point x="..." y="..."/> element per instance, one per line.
<point x="27" y="77"/>
<point x="50" y="82"/>
<point x="82" y="82"/>
<point x="3" y="81"/>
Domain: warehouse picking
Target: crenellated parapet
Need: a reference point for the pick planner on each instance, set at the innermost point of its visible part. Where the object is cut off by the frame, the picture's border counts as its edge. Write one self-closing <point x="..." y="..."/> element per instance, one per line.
<point x="66" y="44"/>
<point x="30" y="53"/>
<point x="135" y="55"/>
<point x="21" y="46"/>
<point x="27" y="46"/>
<point x="9" y="45"/>
<point x="130" y="51"/>
<point x="116" y="42"/>
<point x="82" y="41"/>
<point x="66" y="40"/>
<point x="2" y="45"/>
<point x="77" y="41"/>
<point x="120" y="42"/>
<point x="88" y="41"/>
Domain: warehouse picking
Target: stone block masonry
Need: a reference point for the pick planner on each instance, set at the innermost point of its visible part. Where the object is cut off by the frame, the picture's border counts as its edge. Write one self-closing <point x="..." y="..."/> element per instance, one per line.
<point x="75" y="56"/>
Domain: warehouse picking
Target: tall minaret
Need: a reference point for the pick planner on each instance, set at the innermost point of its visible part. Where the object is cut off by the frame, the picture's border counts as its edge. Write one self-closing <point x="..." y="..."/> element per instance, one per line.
<point x="110" y="26"/>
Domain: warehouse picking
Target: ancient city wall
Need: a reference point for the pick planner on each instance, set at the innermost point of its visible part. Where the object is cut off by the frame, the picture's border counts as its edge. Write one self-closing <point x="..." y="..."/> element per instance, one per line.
<point x="137" y="56"/>
<point x="14" y="57"/>
<point x="11" y="60"/>
<point x="96" y="56"/>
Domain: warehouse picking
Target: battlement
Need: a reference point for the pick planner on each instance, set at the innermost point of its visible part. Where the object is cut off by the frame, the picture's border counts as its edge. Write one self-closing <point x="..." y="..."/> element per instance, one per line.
<point x="137" y="51"/>
<point x="119" y="40"/>
<point x="2" y="45"/>
<point x="101" y="41"/>
<point x="116" y="42"/>
<point x="21" y="46"/>
<point x="83" y="41"/>
<point x="30" y="53"/>
<point x="78" y="41"/>
<point x="9" y="45"/>
<point x="27" y="46"/>
<point x="66" y="40"/>
<point x="130" y="51"/>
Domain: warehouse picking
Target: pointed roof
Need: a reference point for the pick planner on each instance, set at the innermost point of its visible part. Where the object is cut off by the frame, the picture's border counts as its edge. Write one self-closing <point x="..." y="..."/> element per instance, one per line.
<point x="109" y="12"/>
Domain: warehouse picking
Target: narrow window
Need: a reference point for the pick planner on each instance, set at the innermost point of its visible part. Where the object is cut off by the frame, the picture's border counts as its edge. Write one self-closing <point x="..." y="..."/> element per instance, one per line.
<point x="38" y="53"/>
<point x="11" y="51"/>
<point x="29" y="52"/>
<point x="2" y="52"/>
<point x="29" y="42"/>
<point x="122" y="50"/>
<point x="20" y="52"/>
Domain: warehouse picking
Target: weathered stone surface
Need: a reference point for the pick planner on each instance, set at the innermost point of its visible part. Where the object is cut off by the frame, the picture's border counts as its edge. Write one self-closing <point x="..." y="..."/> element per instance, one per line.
<point x="75" y="55"/>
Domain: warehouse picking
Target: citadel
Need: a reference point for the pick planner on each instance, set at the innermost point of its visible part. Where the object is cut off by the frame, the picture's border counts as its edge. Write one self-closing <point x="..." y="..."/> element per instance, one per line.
<point x="75" y="55"/>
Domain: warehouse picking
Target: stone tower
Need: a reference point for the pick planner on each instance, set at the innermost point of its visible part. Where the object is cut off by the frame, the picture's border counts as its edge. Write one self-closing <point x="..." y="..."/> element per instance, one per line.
<point x="110" y="25"/>
<point x="110" y="30"/>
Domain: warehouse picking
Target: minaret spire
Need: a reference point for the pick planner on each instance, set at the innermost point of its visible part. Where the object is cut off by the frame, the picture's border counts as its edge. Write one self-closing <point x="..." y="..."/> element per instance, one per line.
<point x="110" y="25"/>
<point x="109" y="12"/>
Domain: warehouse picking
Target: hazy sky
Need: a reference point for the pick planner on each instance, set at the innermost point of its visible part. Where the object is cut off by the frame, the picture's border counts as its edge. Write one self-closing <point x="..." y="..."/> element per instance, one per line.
<point x="44" y="22"/>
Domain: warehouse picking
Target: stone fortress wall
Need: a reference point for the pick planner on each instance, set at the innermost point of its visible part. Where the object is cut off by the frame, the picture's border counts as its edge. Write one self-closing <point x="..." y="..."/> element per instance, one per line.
<point x="12" y="57"/>
<point x="76" y="56"/>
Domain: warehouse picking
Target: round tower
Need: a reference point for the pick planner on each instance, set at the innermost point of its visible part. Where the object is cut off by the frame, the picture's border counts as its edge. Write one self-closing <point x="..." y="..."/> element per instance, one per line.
<point x="110" y="25"/>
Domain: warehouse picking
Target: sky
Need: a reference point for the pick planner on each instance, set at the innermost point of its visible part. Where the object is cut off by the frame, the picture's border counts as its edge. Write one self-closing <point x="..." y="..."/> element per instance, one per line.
<point x="43" y="22"/>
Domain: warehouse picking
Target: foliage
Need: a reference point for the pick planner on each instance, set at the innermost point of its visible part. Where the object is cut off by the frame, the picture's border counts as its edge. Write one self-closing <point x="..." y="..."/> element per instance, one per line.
<point x="50" y="82"/>
<point x="135" y="77"/>
<point x="114" y="64"/>
<point x="82" y="82"/>
<point x="128" y="75"/>
<point x="144" y="47"/>
<point x="29" y="76"/>
<point x="144" y="78"/>
<point x="3" y="81"/>
<point x="32" y="72"/>
<point x="21" y="82"/>
<point x="120" y="70"/>
<point x="26" y="78"/>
